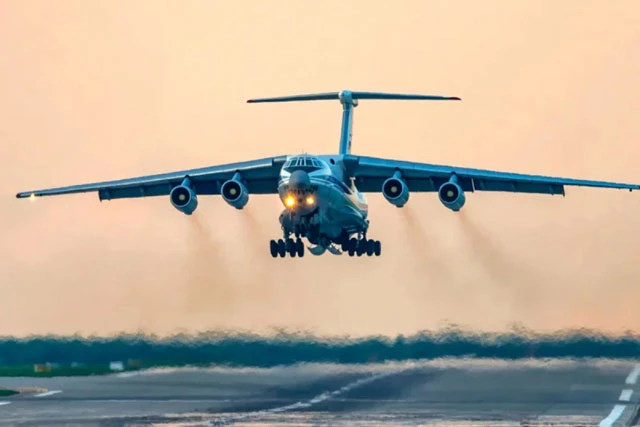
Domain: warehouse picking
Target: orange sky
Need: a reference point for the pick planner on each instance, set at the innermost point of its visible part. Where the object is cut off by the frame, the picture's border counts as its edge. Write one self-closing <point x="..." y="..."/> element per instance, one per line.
<point x="96" y="90"/>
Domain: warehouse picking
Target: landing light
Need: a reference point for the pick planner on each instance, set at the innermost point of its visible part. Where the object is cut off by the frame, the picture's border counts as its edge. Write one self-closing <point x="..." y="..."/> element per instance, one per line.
<point x="32" y="197"/>
<point x="310" y="200"/>
<point x="290" y="201"/>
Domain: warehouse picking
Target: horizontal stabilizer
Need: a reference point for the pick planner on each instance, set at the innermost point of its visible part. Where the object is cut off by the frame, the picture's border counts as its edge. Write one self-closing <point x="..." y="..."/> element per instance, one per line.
<point x="346" y="96"/>
<point x="349" y="101"/>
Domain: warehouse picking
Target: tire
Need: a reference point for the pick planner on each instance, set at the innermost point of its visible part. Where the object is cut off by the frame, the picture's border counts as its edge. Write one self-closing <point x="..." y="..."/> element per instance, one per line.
<point x="290" y="245"/>
<point x="281" y="248"/>
<point x="300" y="248"/>
<point x="370" y="247"/>
<point x="273" y="248"/>
<point x="377" y="248"/>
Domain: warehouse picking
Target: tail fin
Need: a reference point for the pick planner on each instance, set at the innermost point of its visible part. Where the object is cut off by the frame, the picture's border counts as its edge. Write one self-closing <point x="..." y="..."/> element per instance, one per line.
<point x="349" y="99"/>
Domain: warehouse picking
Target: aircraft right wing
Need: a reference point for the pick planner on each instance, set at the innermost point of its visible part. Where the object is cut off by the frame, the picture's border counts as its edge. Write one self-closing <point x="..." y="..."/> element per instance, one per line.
<point x="370" y="173"/>
<point x="259" y="176"/>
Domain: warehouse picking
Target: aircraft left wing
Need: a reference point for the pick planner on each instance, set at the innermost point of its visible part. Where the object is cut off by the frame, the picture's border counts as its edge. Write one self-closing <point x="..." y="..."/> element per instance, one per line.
<point x="259" y="176"/>
<point x="371" y="172"/>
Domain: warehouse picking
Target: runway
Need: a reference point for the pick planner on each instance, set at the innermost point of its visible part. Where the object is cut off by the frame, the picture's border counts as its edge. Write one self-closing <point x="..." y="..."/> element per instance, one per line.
<point x="443" y="392"/>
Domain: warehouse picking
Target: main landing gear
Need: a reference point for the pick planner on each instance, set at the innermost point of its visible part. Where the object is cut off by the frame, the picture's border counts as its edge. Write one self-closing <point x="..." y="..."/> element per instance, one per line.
<point x="281" y="247"/>
<point x="362" y="246"/>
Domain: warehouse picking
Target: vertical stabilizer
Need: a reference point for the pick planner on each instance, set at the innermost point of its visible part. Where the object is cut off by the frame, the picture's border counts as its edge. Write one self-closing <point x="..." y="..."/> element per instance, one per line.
<point x="346" y="130"/>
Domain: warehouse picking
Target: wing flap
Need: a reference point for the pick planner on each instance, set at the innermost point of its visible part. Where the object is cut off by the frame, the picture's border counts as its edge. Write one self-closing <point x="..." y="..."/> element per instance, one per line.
<point x="513" y="186"/>
<point x="135" y="191"/>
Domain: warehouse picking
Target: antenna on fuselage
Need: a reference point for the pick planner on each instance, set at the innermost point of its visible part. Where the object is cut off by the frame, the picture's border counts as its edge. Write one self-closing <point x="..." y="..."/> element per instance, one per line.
<point x="349" y="101"/>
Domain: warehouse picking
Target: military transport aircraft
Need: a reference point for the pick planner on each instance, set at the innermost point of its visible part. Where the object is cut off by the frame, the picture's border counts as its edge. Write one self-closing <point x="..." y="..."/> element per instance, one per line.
<point x="323" y="194"/>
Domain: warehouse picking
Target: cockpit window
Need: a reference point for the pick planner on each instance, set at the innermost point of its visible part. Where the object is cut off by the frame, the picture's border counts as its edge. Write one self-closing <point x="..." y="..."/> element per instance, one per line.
<point x="304" y="163"/>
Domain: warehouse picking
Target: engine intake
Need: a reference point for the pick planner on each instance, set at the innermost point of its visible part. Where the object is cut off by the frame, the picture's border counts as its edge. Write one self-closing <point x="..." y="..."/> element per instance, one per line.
<point x="451" y="195"/>
<point x="396" y="191"/>
<point x="235" y="193"/>
<point x="184" y="198"/>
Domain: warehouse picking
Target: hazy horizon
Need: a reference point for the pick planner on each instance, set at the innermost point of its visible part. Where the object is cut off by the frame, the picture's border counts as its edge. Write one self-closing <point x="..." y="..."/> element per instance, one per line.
<point x="99" y="90"/>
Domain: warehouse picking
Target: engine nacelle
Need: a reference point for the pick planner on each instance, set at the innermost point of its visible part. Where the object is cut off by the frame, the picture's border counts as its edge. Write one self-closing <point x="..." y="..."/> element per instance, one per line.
<point x="396" y="191"/>
<point x="235" y="193"/>
<point x="451" y="195"/>
<point x="184" y="198"/>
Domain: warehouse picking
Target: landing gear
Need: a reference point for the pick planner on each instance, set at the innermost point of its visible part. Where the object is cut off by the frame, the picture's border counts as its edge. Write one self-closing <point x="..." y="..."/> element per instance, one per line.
<point x="362" y="246"/>
<point x="282" y="247"/>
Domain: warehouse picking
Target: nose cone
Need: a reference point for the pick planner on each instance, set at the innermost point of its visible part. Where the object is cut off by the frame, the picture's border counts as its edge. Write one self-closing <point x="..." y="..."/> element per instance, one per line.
<point x="299" y="180"/>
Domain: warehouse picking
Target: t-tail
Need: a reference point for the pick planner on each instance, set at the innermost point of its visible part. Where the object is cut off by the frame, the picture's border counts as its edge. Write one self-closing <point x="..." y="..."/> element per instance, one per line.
<point x="349" y="100"/>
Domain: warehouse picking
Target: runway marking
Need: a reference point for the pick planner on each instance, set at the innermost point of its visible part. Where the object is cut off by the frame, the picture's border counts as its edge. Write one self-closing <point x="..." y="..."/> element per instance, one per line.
<point x="126" y="374"/>
<point x="613" y="416"/>
<point x="4" y="403"/>
<point x="633" y="376"/>
<point x="625" y="396"/>
<point x="309" y="403"/>
<point x="47" y="393"/>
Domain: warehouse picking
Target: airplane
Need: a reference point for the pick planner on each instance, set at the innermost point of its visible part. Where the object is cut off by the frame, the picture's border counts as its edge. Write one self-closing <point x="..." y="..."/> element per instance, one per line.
<point x="324" y="195"/>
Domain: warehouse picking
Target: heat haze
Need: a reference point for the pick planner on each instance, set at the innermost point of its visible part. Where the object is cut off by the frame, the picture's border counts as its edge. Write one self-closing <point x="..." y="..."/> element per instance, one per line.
<point x="103" y="90"/>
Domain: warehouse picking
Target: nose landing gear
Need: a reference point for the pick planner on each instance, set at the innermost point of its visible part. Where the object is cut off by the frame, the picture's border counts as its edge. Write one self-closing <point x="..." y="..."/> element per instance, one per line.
<point x="282" y="247"/>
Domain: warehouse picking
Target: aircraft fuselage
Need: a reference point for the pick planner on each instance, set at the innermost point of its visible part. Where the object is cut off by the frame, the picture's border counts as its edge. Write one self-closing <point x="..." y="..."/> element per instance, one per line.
<point x="320" y="200"/>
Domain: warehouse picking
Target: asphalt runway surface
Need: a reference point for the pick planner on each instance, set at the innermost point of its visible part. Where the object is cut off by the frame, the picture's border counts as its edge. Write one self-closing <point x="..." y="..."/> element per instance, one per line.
<point x="443" y="392"/>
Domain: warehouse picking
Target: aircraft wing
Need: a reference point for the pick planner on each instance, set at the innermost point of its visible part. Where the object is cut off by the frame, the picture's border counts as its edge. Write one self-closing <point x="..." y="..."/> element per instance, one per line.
<point x="370" y="173"/>
<point x="259" y="176"/>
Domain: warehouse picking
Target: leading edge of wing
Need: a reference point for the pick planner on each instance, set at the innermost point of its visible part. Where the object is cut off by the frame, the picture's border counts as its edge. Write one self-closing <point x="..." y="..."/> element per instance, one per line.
<point x="364" y="166"/>
<point x="200" y="174"/>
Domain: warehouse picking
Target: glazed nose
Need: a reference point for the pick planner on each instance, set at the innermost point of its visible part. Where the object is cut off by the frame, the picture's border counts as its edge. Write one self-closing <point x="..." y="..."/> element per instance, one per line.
<point x="299" y="180"/>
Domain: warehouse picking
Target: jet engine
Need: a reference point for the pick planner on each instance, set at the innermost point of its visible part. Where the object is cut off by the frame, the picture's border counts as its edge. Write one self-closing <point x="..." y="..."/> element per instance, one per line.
<point x="235" y="193"/>
<point x="396" y="191"/>
<point x="184" y="198"/>
<point x="451" y="194"/>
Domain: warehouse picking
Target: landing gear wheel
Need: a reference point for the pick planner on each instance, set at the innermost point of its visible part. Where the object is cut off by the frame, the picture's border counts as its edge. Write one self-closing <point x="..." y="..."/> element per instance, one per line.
<point x="370" y="247"/>
<point x="362" y="247"/>
<point x="299" y="248"/>
<point x="377" y="248"/>
<point x="352" y="245"/>
<point x="282" y="247"/>
<point x="290" y="247"/>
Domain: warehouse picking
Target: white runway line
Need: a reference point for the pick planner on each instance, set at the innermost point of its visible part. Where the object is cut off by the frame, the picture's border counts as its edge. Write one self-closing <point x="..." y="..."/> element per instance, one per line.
<point x="126" y="374"/>
<point x="318" y="399"/>
<point x="625" y="396"/>
<point x="613" y="416"/>
<point x="4" y="403"/>
<point x="633" y="376"/>
<point x="47" y="393"/>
